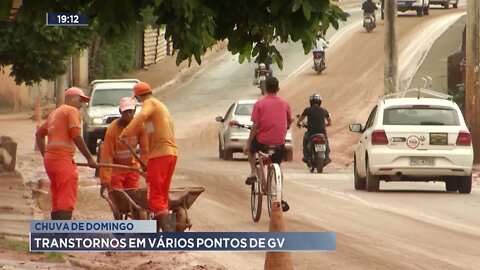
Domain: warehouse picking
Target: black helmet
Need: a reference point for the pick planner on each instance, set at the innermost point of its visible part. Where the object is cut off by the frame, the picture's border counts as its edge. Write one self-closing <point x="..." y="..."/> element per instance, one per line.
<point x="315" y="99"/>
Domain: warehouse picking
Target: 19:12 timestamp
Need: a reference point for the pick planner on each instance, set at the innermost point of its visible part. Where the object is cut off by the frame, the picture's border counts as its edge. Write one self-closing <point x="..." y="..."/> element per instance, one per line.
<point x="66" y="19"/>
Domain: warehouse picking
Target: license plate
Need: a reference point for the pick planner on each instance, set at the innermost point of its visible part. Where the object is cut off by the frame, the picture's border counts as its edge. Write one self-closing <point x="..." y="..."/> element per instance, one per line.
<point x="320" y="147"/>
<point x="262" y="78"/>
<point x="316" y="61"/>
<point x="414" y="161"/>
<point x="438" y="138"/>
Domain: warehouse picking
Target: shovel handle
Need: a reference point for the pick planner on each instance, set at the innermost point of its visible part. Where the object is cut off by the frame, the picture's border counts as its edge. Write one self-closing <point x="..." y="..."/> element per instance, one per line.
<point x="115" y="166"/>
<point x="135" y="156"/>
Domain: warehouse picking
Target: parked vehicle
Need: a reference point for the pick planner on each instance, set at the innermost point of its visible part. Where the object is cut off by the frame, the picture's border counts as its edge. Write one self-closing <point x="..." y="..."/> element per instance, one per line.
<point x="231" y="139"/>
<point x="422" y="7"/>
<point x="414" y="139"/>
<point x="103" y="108"/>
<point x="445" y="3"/>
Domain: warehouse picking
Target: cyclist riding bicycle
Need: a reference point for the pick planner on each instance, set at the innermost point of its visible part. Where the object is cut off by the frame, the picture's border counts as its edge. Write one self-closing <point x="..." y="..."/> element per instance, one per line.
<point x="271" y="117"/>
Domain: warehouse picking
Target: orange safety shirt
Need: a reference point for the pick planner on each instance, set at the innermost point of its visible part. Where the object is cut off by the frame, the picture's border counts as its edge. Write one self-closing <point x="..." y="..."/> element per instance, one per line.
<point x="115" y="152"/>
<point x="159" y="127"/>
<point x="61" y="126"/>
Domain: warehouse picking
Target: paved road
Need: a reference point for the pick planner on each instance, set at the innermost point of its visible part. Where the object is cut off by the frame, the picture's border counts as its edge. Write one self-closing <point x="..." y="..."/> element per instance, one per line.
<point x="406" y="226"/>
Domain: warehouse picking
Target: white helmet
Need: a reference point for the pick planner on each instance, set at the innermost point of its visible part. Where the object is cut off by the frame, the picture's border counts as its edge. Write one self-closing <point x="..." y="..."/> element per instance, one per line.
<point x="262" y="66"/>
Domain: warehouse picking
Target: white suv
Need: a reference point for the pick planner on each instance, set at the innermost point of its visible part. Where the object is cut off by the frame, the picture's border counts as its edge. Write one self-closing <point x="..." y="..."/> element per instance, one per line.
<point x="414" y="139"/>
<point x="103" y="108"/>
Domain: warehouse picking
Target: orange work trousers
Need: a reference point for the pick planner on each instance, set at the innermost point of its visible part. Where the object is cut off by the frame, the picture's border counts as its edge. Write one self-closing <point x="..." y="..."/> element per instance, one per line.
<point x="159" y="176"/>
<point x="63" y="177"/>
<point x="125" y="180"/>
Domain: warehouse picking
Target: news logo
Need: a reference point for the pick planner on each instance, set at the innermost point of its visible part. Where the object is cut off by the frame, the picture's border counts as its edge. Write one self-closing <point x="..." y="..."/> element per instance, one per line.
<point x="140" y="235"/>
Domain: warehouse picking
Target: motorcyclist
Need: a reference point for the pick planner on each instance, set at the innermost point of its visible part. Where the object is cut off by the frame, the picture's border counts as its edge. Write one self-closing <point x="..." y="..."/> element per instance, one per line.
<point x="317" y="119"/>
<point x="320" y="46"/>
<point x="261" y="66"/>
<point x="369" y="8"/>
<point x="263" y="63"/>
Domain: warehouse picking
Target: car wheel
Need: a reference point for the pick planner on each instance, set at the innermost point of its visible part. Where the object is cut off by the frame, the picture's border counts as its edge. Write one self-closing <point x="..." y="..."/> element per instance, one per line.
<point x="426" y="10"/>
<point x="228" y="154"/>
<point x="360" y="183"/>
<point x="420" y="12"/>
<point x="289" y="155"/>
<point x="373" y="181"/>
<point x="446" y="5"/>
<point x="97" y="170"/>
<point x="455" y="5"/>
<point x="91" y="144"/>
<point x="451" y="184"/>
<point x="465" y="184"/>
<point x="221" y="153"/>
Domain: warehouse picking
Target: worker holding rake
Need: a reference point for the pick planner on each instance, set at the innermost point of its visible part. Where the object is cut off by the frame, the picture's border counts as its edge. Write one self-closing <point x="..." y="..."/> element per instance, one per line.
<point x="115" y="152"/>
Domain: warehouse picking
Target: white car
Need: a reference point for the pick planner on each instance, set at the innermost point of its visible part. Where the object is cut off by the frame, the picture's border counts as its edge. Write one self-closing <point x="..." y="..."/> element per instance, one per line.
<point x="103" y="108"/>
<point x="231" y="139"/>
<point x="414" y="139"/>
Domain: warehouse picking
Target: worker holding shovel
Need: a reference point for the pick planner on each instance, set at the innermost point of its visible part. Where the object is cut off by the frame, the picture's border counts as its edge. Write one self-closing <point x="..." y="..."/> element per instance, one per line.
<point x="163" y="152"/>
<point x="63" y="131"/>
<point x="116" y="152"/>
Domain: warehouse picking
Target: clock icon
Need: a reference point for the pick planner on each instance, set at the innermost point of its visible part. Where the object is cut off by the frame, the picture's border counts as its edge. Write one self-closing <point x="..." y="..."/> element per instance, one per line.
<point x="66" y="19"/>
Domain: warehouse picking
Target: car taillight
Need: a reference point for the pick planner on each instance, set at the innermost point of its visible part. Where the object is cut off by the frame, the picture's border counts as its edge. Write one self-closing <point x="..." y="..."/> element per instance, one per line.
<point x="319" y="139"/>
<point x="464" y="138"/>
<point x="379" y="137"/>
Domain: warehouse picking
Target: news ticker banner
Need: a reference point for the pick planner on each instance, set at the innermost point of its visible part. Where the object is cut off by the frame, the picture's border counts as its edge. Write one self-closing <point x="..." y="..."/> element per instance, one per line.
<point x="137" y="236"/>
<point x="98" y="226"/>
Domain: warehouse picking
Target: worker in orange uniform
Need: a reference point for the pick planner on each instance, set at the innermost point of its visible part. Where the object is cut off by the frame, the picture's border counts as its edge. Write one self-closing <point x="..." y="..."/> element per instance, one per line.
<point x="115" y="152"/>
<point x="63" y="130"/>
<point x="163" y="152"/>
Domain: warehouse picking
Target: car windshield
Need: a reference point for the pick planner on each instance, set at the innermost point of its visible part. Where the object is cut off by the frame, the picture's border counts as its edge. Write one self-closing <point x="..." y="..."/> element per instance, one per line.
<point x="426" y="116"/>
<point x="110" y="97"/>
<point x="244" y="109"/>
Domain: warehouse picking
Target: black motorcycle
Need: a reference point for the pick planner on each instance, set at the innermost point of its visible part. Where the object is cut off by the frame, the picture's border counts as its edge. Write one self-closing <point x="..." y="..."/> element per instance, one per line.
<point x="368" y="22"/>
<point x="317" y="150"/>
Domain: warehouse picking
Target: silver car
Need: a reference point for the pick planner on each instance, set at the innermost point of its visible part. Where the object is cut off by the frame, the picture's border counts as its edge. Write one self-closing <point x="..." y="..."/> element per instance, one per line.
<point x="231" y="139"/>
<point x="103" y="108"/>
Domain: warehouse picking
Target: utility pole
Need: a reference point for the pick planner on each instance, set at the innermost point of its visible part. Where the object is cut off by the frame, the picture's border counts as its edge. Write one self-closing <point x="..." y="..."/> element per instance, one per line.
<point x="472" y="74"/>
<point x="391" y="56"/>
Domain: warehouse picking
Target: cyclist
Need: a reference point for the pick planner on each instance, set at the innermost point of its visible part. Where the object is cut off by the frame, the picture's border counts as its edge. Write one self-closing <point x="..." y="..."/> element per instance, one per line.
<point x="271" y="117"/>
<point x="316" y="117"/>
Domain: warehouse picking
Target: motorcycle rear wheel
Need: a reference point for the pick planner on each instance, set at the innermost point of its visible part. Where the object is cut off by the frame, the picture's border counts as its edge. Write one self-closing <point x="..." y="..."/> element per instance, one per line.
<point x="319" y="161"/>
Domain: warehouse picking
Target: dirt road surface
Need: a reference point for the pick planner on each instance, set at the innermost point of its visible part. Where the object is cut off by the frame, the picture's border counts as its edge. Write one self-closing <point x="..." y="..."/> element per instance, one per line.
<point x="405" y="226"/>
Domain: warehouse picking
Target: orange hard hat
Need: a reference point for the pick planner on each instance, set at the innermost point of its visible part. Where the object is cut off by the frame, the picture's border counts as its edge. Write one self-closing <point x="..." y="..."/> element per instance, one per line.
<point x="141" y="88"/>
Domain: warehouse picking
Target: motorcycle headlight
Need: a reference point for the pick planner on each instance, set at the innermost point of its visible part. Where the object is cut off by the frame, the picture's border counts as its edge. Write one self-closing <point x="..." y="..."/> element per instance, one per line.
<point x="97" y="121"/>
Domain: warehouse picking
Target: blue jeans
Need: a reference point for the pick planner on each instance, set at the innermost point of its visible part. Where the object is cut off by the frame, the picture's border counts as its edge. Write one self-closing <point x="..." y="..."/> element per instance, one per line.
<point x="306" y="138"/>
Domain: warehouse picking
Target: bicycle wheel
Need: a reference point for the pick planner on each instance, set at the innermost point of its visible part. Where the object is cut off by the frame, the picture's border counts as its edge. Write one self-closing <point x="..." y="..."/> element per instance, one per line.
<point x="256" y="199"/>
<point x="274" y="186"/>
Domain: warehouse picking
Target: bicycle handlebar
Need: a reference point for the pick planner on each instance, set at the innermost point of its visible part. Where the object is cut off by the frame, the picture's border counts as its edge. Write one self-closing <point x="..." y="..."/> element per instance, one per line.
<point x="236" y="123"/>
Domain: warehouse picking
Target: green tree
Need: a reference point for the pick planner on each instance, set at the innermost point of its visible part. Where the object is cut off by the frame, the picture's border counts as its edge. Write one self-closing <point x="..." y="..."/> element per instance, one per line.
<point x="38" y="52"/>
<point x="252" y="27"/>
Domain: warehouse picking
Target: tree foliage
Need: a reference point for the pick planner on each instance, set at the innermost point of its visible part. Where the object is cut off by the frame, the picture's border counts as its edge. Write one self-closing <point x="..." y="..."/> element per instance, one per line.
<point x="39" y="52"/>
<point x="252" y="27"/>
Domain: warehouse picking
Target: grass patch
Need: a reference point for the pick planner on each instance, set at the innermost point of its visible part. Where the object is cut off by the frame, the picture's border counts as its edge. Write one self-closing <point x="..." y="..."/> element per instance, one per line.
<point x="55" y="257"/>
<point x="14" y="245"/>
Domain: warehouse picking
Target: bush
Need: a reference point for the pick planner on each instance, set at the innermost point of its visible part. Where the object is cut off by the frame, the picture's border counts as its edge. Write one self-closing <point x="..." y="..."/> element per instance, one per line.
<point x="110" y="58"/>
